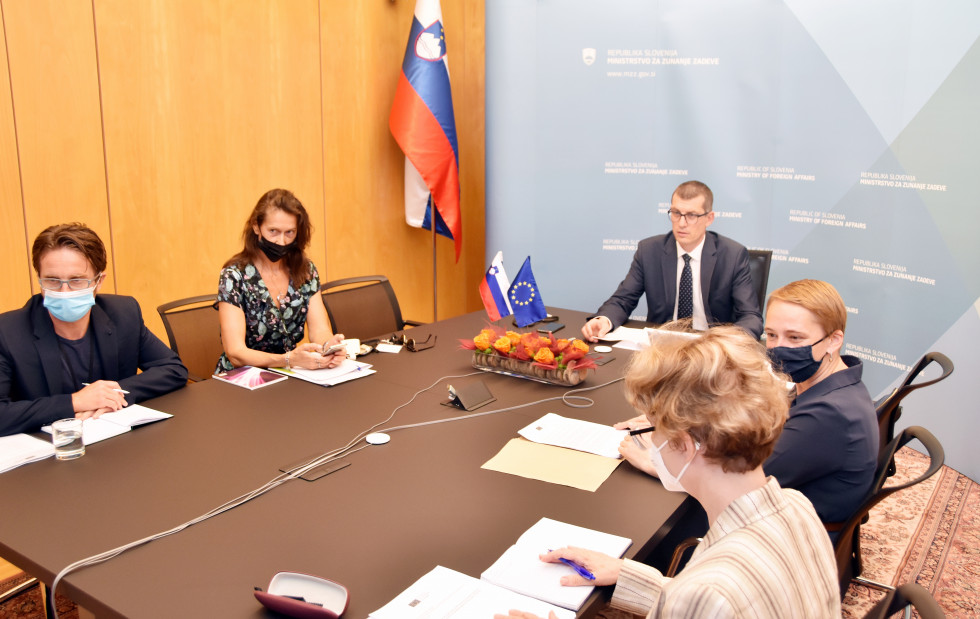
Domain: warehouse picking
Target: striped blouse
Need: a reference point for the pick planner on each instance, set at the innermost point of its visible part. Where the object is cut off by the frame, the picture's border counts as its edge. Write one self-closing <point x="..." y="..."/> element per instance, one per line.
<point x="767" y="555"/>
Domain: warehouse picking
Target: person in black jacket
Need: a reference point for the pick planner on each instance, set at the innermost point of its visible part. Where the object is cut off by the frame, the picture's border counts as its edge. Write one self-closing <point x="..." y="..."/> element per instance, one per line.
<point x="721" y="288"/>
<point x="70" y="352"/>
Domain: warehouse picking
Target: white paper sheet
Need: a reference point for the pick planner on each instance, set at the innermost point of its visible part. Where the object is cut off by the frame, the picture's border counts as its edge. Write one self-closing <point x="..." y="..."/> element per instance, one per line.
<point x="19" y="449"/>
<point x="586" y="436"/>
<point x="444" y="593"/>
<point x="347" y="370"/>
<point x="520" y="569"/>
<point x="116" y="422"/>
<point x="135" y="415"/>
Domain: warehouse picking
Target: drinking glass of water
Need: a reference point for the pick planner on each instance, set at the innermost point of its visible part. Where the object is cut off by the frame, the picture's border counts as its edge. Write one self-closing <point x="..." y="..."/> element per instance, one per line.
<point x="66" y="434"/>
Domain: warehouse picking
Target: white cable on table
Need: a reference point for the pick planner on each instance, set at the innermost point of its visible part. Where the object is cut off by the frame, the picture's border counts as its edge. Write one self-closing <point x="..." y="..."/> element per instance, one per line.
<point x="317" y="462"/>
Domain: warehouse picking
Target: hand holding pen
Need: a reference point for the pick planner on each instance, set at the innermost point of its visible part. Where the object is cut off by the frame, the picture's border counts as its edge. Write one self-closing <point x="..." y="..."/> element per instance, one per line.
<point x="635" y="446"/>
<point x="603" y="568"/>
<point x="101" y="396"/>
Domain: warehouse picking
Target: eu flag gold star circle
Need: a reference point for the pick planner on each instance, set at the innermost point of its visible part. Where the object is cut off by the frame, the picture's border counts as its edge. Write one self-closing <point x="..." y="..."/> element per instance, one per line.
<point x="518" y="288"/>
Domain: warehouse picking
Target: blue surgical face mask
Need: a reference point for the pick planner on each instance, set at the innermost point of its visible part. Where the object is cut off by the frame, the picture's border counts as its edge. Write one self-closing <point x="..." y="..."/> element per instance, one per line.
<point x="69" y="306"/>
<point x="797" y="362"/>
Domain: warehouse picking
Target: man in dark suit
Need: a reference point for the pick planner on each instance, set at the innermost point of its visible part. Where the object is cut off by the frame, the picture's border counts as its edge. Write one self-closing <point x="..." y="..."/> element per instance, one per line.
<point x="70" y="353"/>
<point x="714" y="268"/>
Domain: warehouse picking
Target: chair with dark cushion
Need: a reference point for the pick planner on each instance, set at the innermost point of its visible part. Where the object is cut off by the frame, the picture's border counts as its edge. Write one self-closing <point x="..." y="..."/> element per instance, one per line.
<point x="759" y="262"/>
<point x="363" y="307"/>
<point x="194" y="333"/>
<point x="909" y="594"/>
<point x="847" y="548"/>
<point x="889" y="407"/>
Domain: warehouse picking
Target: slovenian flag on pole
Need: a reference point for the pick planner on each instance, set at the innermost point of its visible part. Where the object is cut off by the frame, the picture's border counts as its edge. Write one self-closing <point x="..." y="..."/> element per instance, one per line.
<point x="493" y="289"/>
<point x="423" y="124"/>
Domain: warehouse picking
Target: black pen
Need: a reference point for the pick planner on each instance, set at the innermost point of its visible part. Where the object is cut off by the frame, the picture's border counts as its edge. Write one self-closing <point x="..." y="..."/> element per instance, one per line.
<point x="641" y="431"/>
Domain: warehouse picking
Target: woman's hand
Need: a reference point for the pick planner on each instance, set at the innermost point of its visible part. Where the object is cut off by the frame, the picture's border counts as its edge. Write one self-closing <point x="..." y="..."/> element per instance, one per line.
<point x="603" y="567"/>
<point x="638" y="455"/>
<point x="308" y="357"/>
<point x="636" y="423"/>
<point x="523" y="615"/>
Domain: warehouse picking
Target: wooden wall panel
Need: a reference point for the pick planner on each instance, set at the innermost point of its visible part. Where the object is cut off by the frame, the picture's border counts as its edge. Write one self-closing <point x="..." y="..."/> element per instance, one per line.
<point x="160" y="123"/>
<point x="207" y="106"/>
<point x="54" y="86"/>
<point x="15" y="284"/>
<point x="363" y="166"/>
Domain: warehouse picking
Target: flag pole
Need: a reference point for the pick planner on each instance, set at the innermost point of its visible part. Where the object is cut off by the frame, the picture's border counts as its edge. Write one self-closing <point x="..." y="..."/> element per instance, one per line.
<point x="435" y="282"/>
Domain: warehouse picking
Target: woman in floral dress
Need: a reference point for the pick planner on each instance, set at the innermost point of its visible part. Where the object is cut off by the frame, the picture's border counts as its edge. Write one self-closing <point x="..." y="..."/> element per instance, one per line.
<point x="269" y="293"/>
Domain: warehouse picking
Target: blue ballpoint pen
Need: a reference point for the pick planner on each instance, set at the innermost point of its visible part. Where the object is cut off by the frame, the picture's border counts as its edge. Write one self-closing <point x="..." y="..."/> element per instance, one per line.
<point x="581" y="571"/>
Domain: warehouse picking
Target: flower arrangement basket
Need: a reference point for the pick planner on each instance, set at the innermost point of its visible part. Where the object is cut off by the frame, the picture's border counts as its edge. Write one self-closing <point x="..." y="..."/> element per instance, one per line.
<point x="530" y="355"/>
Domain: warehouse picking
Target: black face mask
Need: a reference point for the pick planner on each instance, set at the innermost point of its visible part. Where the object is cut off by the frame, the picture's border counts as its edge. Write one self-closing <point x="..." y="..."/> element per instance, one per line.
<point x="273" y="251"/>
<point x="797" y="362"/>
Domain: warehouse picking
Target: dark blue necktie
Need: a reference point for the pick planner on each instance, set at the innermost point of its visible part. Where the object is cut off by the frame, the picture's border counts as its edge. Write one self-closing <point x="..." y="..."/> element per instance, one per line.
<point x="685" y="296"/>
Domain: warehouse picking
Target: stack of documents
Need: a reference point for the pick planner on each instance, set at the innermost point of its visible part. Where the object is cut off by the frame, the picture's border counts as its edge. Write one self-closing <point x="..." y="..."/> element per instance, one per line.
<point x="116" y="423"/>
<point x="348" y="370"/>
<point x="22" y="448"/>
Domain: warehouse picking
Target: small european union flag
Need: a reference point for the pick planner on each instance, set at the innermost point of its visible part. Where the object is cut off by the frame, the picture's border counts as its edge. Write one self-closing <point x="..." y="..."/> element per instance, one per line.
<point x="525" y="299"/>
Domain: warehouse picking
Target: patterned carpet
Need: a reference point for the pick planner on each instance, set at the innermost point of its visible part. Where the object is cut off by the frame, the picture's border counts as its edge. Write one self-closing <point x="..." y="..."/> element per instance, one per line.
<point x="929" y="534"/>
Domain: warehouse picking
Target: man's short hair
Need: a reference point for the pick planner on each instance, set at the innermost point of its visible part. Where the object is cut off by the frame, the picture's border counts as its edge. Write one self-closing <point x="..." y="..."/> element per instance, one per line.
<point x="718" y="388"/>
<point x="693" y="189"/>
<point x="75" y="236"/>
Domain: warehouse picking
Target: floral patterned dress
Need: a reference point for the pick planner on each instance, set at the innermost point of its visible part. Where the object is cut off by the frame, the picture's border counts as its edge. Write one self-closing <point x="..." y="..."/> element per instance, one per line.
<point x="267" y="328"/>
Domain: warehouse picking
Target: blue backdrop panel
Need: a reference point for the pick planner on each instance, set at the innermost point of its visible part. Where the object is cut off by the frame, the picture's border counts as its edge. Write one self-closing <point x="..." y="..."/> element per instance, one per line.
<point x="840" y="135"/>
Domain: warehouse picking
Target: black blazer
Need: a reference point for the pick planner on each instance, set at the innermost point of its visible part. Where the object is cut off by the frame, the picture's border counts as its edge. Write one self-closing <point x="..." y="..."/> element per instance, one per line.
<point x="726" y="283"/>
<point x="31" y="390"/>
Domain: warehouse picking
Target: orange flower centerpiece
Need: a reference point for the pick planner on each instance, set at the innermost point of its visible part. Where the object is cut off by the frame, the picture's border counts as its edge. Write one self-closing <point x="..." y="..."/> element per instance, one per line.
<point x="530" y="355"/>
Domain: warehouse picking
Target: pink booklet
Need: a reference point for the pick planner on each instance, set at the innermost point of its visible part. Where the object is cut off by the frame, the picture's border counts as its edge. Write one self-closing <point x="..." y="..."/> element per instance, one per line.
<point x="250" y="377"/>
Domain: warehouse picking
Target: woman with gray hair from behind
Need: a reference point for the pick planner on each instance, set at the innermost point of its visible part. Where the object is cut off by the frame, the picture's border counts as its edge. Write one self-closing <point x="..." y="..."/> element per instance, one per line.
<point x="718" y="409"/>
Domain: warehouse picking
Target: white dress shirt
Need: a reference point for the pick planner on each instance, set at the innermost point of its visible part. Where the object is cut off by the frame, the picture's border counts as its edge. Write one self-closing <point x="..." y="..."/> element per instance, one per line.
<point x="699" y="317"/>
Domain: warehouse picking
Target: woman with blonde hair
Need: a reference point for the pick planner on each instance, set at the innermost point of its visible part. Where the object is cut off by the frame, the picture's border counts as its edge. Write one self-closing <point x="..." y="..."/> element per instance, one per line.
<point x="829" y="447"/>
<point x="718" y="410"/>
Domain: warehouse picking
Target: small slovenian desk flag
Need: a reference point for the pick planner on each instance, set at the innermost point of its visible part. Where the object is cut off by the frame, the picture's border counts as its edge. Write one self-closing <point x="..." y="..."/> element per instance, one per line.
<point x="525" y="299"/>
<point x="493" y="289"/>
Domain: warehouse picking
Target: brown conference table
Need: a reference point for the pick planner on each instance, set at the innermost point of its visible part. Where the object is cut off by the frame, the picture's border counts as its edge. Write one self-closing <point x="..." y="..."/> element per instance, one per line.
<point x="376" y="526"/>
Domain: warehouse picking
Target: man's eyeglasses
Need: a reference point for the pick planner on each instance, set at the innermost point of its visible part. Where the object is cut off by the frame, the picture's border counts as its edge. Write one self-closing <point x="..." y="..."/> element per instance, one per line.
<point x="410" y="343"/>
<point x="689" y="218"/>
<point x="76" y="283"/>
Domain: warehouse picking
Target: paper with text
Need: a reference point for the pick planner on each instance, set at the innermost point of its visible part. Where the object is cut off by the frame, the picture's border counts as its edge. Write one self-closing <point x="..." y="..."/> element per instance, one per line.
<point x="587" y="436"/>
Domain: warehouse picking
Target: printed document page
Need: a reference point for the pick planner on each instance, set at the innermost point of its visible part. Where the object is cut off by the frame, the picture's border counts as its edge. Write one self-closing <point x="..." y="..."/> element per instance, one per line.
<point x="587" y="436"/>
<point x="444" y="593"/>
